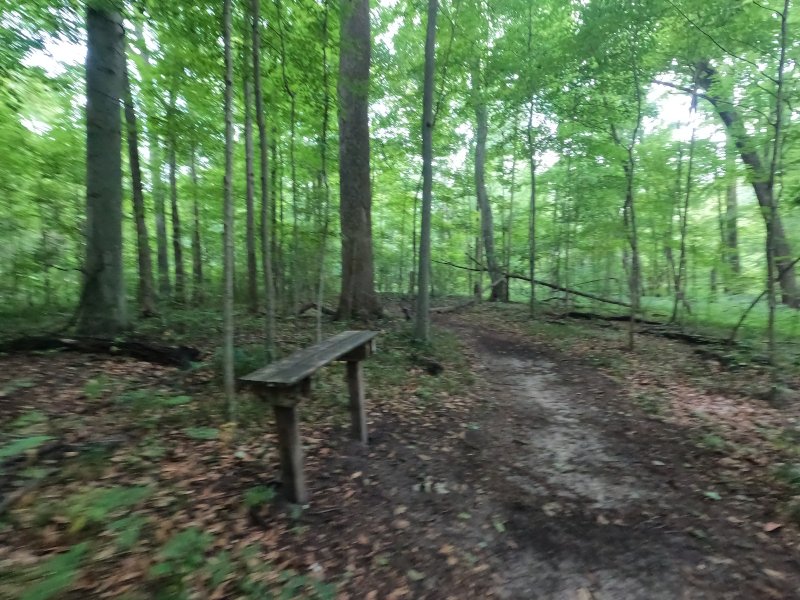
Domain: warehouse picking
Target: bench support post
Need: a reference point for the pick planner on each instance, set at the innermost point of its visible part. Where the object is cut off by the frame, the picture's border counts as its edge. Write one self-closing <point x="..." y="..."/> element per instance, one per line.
<point x="291" y="450"/>
<point x="358" y="412"/>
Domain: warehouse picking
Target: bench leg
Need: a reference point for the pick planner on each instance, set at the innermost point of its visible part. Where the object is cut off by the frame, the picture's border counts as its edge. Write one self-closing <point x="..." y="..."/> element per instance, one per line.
<point x="291" y="449"/>
<point x="358" y="412"/>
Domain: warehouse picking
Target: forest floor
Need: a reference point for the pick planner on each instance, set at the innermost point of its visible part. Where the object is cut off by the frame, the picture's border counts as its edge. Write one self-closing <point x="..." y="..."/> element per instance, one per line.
<point x="543" y="462"/>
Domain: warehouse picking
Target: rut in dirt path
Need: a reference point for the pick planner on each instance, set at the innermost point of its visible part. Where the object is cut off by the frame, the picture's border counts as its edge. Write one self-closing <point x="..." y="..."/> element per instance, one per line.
<point x="598" y="498"/>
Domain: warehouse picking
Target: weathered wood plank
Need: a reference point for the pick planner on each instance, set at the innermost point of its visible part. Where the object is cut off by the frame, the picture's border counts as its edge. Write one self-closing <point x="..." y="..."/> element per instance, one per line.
<point x="302" y="364"/>
<point x="358" y="409"/>
<point x="291" y="450"/>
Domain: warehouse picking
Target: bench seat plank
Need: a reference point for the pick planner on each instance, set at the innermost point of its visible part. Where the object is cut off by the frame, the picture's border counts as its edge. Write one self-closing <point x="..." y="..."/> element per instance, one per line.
<point x="302" y="364"/>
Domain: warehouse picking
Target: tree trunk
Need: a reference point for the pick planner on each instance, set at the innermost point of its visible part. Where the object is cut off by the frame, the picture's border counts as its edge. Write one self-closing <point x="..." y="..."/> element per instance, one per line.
<point x="323" y="159"/>
<point x="229" y="381"/>
<point x="759" y="175"/>
<point x="497" y="281"/>
<point x="102" y="303"/>
<point x="177" y="246"/>
<point x="155" y="164"/>
<point x="532" y="215"/>
<point x="252" y="267"/>
<point x="267" y="235"/>
<point x="731" y="226"/>
<point x="357" y="298"/>
<point x="422" y="325"/>
<point x="146" y="290"/>
<point x="197" y="248"/>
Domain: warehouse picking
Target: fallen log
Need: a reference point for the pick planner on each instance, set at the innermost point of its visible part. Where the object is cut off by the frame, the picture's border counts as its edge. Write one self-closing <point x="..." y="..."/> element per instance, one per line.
<point x="614" y="318"/>
<point x="309" y="305"/>
<point x="448" y="309"/>
<point x="178" y="356"/>
<point x="546" y="284"/>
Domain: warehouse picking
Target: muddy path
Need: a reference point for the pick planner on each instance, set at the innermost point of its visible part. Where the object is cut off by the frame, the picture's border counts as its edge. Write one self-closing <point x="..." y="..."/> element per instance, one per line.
<point x="600" y="499"/>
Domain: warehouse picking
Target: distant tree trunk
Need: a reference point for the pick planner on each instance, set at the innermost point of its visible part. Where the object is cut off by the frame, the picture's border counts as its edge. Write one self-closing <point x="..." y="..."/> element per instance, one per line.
<point x="295" y="270"/>
<point x="229" y="381"/>
<point x="252" y="267"/>
<point x="323" y="159"/>
<point x="146" y="290"/>
<point x="680" y="275"/>
<point x="731" y="233"/>
<point x="177" y="246"/>
<point x="498" y="282"/>
<point x="532" y="214"/>
<point x="422" y="325"/>
<point x="267" y="232"/>
<point x="102" y="303"/>
<point x="156" y="164"/>
<point x="197" y="248"/>
<point x="357" y="298"/>
<point x="760" y="179"/>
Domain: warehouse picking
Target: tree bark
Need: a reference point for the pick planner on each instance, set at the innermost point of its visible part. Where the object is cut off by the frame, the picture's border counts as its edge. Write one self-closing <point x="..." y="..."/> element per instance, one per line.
<point x="229" y="382"/>
<point x="177" y="246"/>
<point x="760" y="180"/>
<point x="422" y="325"/>
<point x="146" y="290"/>
<point x="357" y="298"/>
<point x="731" y="229"/>
<point x="267" y="232"/>
<point x="197" y="248"/>
<point x="250" y="233"/>
<point x="154" y="146"/>
<point x="102" y="304"/>
<point x="498" y="283"/>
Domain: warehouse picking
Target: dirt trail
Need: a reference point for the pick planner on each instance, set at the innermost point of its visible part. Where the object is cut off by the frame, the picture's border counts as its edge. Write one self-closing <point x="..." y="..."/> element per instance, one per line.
<point x="602" y="501"/>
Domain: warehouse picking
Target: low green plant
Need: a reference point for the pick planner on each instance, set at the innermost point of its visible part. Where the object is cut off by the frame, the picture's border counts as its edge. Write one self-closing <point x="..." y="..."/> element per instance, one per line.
<point x="56" y="574"/>
<point x="258" y="496"/>
<point x="789" y="473"/>
<point x="96" y="387"/>
<point x="22" y="445"/>
<point x="202" y="433"/>
<point x="94" y="506"/>
<point x="183" y="554"/>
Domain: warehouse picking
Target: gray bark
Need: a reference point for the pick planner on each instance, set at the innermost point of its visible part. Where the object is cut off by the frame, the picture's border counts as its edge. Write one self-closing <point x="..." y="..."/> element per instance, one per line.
<point x="497" y="281"/>
<point x="423" y="319"/>
<point x="146" y="290"/>
<point x="267" y="237"/>
<point x="250" y="233"/>
<point x="102" y="307"/>
<point x="197" y="248"/>
<point x="177" y="246"/>
<point x="357" y="298"/>
<point x="229" y="381"/>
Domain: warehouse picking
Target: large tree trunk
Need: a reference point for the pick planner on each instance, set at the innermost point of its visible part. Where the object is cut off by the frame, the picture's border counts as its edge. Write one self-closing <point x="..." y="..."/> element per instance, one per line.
<point x="102" y="304"/>
<point x="759" y="176"/>
<point x="229" y="381"/>
<point x="423" y="319"/>
<point x="197" y="248"/>
<point x="357" y="298"/>
<point x="146" y="291"/>
<point x="497" y="281"/>
<point x="177" y="246"/>
<point x="250" y="239"/>
<point x="267" y="232"/>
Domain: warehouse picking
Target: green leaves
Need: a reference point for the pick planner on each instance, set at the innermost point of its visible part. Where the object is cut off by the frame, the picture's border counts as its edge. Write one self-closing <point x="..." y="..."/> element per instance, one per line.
<point x="56" y="574"/>
<point x="22" y="445"/>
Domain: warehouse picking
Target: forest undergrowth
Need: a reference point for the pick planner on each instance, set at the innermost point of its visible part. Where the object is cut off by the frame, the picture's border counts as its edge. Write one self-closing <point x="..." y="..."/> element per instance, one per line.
<point x="122" y="478"/>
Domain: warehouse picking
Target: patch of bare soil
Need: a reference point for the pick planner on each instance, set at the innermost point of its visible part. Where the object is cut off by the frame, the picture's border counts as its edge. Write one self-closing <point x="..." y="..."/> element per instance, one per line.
<point x="601" y="500"/>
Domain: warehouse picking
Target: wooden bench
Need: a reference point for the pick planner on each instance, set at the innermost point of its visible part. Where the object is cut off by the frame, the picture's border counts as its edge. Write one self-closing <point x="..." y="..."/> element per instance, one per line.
<point x="288" y="381"/>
